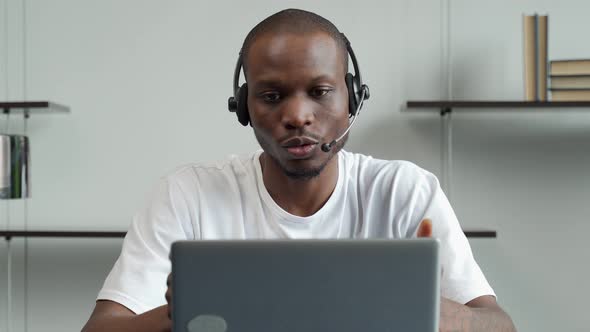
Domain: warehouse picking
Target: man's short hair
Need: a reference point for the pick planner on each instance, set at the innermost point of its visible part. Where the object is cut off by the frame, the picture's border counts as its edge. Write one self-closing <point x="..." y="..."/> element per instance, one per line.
<point x="294" y="21"/>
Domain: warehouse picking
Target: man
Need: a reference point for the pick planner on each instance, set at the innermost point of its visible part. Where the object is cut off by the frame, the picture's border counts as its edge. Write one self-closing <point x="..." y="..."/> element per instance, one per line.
<point x="295" y="63"/>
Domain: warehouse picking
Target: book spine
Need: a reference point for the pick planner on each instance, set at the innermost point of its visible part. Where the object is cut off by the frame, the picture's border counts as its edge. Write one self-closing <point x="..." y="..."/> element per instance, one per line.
<point x="537" y="60"/>
<point x="544" y="51"/>
<point x="529" y="57"/>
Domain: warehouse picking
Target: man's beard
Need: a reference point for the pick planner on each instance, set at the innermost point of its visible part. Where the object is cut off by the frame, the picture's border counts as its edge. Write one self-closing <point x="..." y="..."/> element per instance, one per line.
<point x="303" y="174"/>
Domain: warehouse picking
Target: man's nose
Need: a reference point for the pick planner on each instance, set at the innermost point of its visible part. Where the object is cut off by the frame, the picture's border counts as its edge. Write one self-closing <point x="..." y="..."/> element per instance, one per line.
<point x="297" y="113"/>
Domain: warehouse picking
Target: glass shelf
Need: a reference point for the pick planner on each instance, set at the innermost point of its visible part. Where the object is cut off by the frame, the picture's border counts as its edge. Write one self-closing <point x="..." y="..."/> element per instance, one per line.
<point x="32" y="107"/>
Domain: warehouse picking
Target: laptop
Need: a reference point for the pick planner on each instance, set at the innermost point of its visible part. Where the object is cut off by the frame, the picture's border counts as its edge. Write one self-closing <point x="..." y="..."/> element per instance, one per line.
<point x="305" y="285"/>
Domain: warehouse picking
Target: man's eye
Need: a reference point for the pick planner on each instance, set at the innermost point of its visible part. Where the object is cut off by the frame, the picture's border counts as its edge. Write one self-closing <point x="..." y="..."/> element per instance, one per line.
<point x="320" y="92"/>
<point x="271" y="97"/>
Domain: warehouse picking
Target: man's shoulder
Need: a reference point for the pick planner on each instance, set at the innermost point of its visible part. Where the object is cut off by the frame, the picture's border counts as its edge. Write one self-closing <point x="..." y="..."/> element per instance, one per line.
<point x="361" y="163"/>
<point x="398" y="177"/>
<point x="234" y="165"/>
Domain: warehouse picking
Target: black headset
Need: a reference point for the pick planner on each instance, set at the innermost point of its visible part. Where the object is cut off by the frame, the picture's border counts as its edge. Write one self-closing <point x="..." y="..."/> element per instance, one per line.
<point x="357" y="91"/>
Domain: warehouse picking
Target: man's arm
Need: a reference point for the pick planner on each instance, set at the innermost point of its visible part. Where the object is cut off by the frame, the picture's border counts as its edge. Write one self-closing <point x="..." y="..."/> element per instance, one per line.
<point x="480" y="314"/>
<point x="114" y="317"/>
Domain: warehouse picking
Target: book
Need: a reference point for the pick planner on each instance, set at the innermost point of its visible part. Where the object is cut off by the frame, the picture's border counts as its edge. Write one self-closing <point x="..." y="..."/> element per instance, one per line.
<point x="570" y="67"/>
<point x="529" y="41"/>
<point x="535" y="36"/>
<point x="570" y="81"/>
<point x="542" y="61"/>
<point x="570" y="94"/>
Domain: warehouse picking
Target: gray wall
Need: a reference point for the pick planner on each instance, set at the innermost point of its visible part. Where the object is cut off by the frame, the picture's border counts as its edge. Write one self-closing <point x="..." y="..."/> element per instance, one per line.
<point x="148" y="82"/>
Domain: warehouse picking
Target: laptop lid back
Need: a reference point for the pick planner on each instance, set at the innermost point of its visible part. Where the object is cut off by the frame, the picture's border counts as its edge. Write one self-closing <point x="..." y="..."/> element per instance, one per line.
<point x="305" y="285"/>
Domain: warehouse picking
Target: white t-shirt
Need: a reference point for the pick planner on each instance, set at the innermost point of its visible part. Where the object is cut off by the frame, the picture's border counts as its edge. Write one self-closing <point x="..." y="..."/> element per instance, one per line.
<point x="228" y="200"/>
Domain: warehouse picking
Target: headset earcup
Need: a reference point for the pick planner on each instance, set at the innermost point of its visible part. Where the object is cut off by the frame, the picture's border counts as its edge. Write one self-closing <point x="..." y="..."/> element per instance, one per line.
<point x="242" y="110"/>
<point x="352" y="100"/>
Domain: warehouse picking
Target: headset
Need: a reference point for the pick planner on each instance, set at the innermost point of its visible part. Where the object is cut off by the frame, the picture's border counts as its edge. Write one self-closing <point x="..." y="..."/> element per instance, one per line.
<point x="358" y="92"/>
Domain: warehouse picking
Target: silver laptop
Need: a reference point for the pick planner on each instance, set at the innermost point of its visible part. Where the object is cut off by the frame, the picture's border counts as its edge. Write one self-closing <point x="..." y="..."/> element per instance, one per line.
<point x="305" y="285"/>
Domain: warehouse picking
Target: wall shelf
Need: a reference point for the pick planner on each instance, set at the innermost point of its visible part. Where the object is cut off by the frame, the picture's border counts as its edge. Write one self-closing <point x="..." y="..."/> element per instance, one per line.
<point x="480" y="234"/>
<point x="32" y="107"/>
<point x="118" y="234"/>
<point x="72" y="234"/>
<point x="447" y="106"/>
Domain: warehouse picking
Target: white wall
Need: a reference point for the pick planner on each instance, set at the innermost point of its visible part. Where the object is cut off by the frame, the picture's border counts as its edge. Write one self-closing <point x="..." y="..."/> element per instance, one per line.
<point x="148" y="83"/>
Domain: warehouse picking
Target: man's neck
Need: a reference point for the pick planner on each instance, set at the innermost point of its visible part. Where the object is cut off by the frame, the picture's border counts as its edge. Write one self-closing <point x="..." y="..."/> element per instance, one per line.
<point x="300" y="197"/>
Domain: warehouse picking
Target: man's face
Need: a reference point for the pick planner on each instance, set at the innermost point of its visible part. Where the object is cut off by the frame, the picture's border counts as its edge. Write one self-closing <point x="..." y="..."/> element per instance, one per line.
<point x="297" y="99"/>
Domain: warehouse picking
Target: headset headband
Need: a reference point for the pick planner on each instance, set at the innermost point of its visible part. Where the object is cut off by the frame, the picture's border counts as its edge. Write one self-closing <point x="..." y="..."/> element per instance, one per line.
<point x="355" y="65"/>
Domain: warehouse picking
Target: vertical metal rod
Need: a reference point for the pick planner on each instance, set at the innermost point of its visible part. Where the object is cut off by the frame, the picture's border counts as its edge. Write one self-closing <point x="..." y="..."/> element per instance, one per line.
<point x="443" y="150"/>
<point x="6" y="65"/>
<point x="449" y="154"/>
<point x="25" y="120"/>
<point x="446" y="150"/>
<point x="9" y="288"/>
<point x="443" y="51"/>
<point x="446" y="64"/>
<point x="26" y="251"/>
<point x="8" y="272"/>
<point x="449" y="54"/>
<point x="446" y="61"/>
<point x="7" y="111"/>
<point x="24" y="48"/>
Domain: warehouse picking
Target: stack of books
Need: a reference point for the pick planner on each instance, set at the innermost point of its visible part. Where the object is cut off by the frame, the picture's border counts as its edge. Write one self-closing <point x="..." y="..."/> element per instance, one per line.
<point x="570" y="80"/>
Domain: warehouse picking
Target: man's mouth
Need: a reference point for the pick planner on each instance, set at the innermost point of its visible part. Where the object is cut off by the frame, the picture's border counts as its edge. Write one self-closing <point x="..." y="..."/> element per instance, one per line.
<point x="302" y="150"/>
<point x="300" y="146"/>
